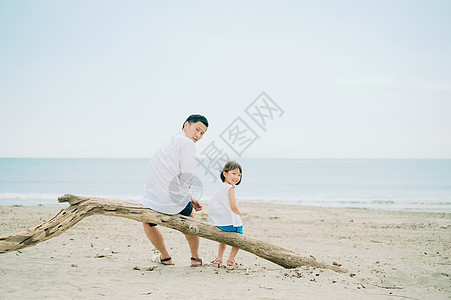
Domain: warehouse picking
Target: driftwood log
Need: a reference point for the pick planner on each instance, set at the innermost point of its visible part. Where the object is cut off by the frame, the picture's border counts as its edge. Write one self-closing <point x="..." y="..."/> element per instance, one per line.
<point x="82" y="207"/>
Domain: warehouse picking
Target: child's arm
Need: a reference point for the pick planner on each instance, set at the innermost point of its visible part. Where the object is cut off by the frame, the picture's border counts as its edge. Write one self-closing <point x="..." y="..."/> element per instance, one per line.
<point x="233" y="201"/>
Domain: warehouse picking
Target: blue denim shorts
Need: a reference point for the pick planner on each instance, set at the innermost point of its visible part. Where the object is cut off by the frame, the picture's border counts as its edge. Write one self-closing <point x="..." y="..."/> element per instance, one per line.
<point x="231" y="228"/>
<point x="185" y="212"/>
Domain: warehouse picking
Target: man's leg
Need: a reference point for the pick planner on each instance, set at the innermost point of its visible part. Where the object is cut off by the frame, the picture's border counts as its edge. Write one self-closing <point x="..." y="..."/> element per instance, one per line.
<point x="193" y="241"/>
<point x="156" y="238"/>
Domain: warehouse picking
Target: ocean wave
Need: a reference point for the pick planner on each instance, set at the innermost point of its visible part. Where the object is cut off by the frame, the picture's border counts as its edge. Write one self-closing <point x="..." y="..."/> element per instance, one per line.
<point x="29" y="196"/>
<point x="345" y="201"/>
<point x="33" y="199"/>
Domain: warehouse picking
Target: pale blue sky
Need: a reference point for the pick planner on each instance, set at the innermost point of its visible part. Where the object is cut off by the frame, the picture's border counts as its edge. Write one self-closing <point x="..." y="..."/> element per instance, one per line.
<point x="356" y="79"/>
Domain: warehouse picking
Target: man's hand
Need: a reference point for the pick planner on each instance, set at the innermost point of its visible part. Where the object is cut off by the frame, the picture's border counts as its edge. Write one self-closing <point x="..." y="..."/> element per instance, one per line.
<point x="196" y="204"/>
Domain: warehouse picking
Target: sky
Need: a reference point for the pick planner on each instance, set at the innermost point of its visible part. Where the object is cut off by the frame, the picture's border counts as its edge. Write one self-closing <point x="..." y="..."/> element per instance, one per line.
<point x="352" y="79"/>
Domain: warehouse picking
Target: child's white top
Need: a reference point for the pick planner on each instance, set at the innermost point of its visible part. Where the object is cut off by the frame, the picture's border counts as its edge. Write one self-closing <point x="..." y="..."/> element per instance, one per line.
<point x="219" y="211"/>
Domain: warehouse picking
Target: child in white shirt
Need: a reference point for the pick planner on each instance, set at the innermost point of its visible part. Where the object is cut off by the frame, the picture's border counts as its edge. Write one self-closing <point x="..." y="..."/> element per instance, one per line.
<point x="223" y="209"/>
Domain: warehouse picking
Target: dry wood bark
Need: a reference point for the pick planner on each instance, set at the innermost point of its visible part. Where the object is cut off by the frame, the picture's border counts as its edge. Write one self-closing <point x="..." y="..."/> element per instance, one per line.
<point x="82" y="207"/>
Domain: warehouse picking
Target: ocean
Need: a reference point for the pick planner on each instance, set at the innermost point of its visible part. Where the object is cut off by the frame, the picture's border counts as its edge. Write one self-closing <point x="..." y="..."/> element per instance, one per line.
<point x="389" y="184"/>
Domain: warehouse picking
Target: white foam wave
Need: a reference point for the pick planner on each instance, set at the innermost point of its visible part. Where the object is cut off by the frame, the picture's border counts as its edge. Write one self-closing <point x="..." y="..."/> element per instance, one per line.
<point x="33" y="199"/>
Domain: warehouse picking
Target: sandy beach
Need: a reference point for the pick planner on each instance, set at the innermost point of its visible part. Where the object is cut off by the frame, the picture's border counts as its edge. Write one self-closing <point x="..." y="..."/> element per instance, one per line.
<point x="389" y="255"/>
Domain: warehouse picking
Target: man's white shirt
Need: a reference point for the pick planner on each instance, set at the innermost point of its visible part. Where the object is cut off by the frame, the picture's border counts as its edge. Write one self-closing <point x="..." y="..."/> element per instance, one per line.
<point x="170" y="173"/>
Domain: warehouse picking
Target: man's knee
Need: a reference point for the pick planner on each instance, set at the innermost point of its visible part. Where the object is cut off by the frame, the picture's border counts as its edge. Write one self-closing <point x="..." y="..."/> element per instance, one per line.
<point x="149" y="225"/>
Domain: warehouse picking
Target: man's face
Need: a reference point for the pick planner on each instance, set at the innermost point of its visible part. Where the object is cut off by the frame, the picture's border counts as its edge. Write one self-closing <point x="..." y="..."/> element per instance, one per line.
<point x="194" y="131"/>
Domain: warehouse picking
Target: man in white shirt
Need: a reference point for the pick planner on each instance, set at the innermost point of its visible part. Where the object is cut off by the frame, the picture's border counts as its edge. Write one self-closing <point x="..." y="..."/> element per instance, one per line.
<point x="170" y="175"/>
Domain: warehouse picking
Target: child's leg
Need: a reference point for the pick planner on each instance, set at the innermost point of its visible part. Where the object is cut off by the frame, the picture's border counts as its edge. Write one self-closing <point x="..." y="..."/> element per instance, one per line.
<point x="231" y="261"/>
<point x="221" y="250"/>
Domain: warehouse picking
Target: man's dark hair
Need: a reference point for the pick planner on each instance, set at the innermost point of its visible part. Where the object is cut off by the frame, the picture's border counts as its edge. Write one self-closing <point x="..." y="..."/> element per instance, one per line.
<point x="195" y="119"/>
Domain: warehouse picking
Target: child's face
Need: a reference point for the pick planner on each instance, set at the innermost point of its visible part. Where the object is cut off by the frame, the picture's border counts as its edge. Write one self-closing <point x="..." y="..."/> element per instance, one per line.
<point x="232" y="177"/>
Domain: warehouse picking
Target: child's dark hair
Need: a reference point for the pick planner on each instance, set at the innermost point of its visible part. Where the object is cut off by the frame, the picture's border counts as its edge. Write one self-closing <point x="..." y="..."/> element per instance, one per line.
<point x="195" y="119"/>
<point x="229" y="166"/>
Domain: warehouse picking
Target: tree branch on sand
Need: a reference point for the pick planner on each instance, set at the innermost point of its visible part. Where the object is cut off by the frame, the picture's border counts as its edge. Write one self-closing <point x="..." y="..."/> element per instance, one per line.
<point x="82" y="207"/>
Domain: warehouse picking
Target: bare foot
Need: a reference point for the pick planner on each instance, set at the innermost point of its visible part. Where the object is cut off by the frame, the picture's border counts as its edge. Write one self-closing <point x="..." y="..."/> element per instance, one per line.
<point x="232" y="264"/>
<point x="217" y="262"/>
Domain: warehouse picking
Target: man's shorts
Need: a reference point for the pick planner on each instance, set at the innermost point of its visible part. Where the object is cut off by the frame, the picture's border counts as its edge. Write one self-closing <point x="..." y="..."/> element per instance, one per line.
<point x="231" y="228"/>
<point x="185" y="212"/>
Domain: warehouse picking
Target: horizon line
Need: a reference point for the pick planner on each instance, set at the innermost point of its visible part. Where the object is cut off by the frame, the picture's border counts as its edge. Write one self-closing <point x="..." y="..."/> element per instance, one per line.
<point x="287" y="158"/>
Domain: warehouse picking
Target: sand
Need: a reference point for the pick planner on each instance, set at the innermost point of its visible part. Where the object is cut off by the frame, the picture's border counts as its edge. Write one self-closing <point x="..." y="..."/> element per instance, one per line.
<point x="390" y="255"/>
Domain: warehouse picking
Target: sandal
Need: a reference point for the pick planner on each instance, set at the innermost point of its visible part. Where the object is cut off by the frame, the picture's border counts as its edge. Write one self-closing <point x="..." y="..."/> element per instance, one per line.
<point x="159" y="260"/>
<point x="198" y="260"/>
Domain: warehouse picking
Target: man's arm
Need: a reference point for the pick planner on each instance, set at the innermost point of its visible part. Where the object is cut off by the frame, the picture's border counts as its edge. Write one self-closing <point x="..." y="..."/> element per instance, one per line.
<point x="187" y="163"/>
<point x="188" y="169"/>
<point x="196" y="204"/>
